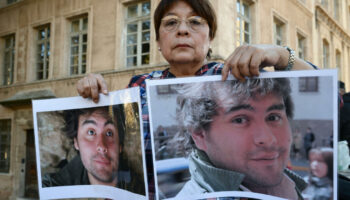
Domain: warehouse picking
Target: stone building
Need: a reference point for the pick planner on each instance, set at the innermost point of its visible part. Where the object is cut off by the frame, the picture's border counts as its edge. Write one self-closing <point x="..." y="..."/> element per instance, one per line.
<point x="47" y="45"/>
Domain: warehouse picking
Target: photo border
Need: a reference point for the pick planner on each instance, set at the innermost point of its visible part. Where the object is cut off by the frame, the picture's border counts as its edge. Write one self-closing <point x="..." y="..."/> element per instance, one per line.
<point x="130" y="95"/>
<point x="278" y="74"/>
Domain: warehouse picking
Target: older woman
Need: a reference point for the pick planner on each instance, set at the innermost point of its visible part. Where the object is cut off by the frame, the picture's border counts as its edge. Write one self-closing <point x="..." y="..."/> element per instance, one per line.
<point x="184" y="30"/>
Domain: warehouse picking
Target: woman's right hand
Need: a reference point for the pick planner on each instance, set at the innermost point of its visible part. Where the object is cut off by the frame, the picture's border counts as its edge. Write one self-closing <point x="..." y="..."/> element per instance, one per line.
<point x="91" y="86"/>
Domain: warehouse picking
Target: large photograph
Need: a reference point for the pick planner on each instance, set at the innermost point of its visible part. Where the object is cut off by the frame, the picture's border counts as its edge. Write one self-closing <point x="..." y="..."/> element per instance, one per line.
<point x="273" y="135"/>
<point x="90" y="150"/>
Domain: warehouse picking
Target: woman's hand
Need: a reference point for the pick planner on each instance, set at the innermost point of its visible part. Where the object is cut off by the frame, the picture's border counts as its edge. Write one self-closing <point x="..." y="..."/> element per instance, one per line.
<point x="247" y="60"/>
<point x="91" y="85"/>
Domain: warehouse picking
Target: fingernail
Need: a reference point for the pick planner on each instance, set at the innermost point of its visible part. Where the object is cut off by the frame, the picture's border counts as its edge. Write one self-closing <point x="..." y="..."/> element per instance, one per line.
<point x="105" y="92"/>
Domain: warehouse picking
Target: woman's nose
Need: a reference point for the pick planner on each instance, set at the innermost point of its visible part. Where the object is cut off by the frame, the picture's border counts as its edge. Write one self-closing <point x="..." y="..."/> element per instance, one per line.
<point x="183" y="28"/>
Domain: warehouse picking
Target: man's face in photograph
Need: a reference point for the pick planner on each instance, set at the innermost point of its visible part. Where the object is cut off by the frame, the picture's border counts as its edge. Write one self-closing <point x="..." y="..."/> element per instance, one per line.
<point x="252" y="137"/>
<point x="98" y="143"/>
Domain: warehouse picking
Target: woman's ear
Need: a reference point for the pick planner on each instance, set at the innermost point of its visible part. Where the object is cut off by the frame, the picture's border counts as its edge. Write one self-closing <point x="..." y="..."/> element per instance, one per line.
<point x="199" y="138"/>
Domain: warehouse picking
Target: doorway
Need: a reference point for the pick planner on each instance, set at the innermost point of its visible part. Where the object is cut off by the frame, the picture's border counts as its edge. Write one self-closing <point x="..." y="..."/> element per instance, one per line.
<point x="31" y="178"/>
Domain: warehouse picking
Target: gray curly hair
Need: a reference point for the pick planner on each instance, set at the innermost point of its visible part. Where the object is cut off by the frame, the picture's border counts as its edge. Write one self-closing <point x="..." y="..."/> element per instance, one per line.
<point x="197" y="103"/>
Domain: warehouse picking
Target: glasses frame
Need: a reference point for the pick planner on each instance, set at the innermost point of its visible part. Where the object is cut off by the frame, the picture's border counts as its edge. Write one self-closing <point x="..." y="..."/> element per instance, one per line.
<point x="193" y="27"/>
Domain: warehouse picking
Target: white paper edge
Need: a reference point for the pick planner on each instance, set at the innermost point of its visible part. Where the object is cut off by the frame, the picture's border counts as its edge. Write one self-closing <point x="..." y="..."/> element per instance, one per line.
<point x="155" y="177"/>
<point x="278" y="74"/>
<point x="335" y="133"/>
<point x="287" y="74"/>
<point x="230" y="194"/>
<point x="129" y="95"/>
<point x="88" y="191"/>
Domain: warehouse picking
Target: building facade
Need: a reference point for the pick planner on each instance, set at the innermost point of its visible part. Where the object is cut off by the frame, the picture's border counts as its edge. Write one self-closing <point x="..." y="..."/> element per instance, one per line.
<point x="46" y="46"/>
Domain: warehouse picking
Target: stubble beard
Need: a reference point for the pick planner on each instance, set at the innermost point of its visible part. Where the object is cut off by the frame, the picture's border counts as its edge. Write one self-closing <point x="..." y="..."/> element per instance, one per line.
<point x="102" y="174"/>
<point x="256" y="179"/>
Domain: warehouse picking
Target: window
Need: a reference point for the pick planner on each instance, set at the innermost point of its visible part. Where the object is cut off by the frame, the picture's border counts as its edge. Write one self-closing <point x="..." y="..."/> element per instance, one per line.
<point x="349" y="18"/>
<point x="138" y="27"/>
<point x="325" y="54"/>
<point x="11" y="1"/>
<point x="43" y="52"/>
<point x="308" y="84"/>
<point x="165" y="89"/>
<point x="243" y="23"/>
<point x="5" y="3"/>
<point x="301" y="46"/>
<point x="9" y="59"/>
<point x="338" y="61"/>
<point x="336" y="9"/>
<point x="279" y="32"/>
<point x="5" y="145"/>
<point x="324" y="3"/>
<point x="78" y="45"/>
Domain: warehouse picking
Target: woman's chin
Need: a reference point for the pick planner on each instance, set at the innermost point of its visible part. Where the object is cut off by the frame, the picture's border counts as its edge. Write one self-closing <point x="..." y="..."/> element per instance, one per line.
<point x="184" y="59"/>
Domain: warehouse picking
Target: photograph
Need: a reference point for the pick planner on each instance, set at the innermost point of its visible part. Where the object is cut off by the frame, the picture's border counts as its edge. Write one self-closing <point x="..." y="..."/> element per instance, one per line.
<point x="273" y="135"/>
<point x="89" y="150"/>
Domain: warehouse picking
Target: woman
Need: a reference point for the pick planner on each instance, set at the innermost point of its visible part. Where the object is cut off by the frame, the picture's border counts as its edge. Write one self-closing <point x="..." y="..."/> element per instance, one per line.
<point x="184" y="30"/>
<point x="320" y="179"/>
<point x="186" y="49"/>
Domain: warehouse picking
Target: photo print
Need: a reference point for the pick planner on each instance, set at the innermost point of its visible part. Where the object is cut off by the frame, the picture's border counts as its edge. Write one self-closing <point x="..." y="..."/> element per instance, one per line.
<point x="274" y="135"/>
<point x="88" y="150"/>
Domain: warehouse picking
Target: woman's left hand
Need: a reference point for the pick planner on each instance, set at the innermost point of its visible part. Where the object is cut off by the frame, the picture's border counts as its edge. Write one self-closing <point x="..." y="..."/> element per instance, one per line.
<point x="247" y="60"/>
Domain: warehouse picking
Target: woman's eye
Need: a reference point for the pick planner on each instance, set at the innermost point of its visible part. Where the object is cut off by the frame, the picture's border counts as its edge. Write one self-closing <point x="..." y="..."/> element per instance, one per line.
<point x="195" y="22"/>
<point x="171" y="22"/>
<point x="109" y="133"/>
<point x="91" y="132"/>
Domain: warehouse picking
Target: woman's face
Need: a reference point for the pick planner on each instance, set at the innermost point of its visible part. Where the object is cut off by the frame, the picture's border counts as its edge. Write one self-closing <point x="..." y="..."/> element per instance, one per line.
<point x="317" y="165"/>
<point x="183" y="44"/>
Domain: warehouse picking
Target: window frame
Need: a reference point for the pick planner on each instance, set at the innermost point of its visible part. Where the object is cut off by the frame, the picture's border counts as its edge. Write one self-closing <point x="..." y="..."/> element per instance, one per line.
<point x="301" y="39"/>
<point x="277" y="22"/>
<point x="241" y="19"/>
<point x="139" y="19"/>
<point x="325" y="54"/>
<point x="7" y="145"/>
<point x="47" y="51"/>
<point x="338" y="62"/>
<point x="336" y="9"/>
<point x="8" y="77"/>
<point x="307" y="82"/>
<point x="80" y="53"/>
<point x="9" y="2"/>
<point x="324" y="3"/>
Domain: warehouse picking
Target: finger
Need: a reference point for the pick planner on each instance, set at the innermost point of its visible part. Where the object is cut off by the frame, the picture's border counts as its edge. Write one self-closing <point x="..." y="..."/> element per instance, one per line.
<point x="237" y="74"/>
<point x="224" y="72"/>
<point x="94" y="88"/>
<point x="226" y="69"/>
<point x="102" y="84"/>
<point x="233" y="63"/>
<point x="85" y="87"/>
<point x="255" y="63"/>
<point x="79" y="87"/>
<point x="244" y="62"/>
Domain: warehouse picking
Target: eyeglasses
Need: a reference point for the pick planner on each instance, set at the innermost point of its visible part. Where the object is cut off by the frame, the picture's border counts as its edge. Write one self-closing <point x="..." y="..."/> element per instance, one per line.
<point x="172" y="23"/>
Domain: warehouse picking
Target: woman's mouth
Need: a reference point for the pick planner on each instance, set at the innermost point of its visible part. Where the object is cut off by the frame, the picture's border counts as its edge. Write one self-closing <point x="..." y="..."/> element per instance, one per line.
<point x="182" y="46"/>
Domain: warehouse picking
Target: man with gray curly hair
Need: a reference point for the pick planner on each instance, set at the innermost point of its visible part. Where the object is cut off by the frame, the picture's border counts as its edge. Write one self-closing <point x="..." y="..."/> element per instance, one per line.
<point x="239" y="137"/>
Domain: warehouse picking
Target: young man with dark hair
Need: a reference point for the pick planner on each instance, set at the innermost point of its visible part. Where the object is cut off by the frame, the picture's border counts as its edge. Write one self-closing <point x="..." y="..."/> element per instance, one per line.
<point x="98" y="136"/>
<point x="239" y="136"/>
